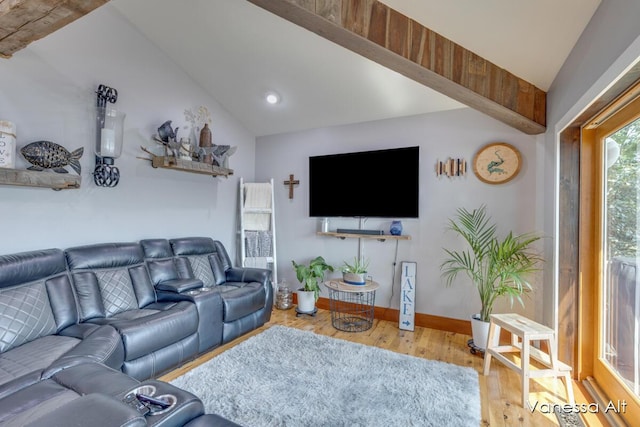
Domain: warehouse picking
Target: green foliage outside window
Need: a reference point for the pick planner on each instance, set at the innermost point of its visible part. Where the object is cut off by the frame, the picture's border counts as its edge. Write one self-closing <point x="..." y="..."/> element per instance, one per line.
<point x="623" y="186"/>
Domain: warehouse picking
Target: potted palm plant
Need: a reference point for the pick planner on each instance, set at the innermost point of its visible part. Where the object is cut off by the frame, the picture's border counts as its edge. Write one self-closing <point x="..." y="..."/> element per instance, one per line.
<point x="497" y="267"/>
<point x="309" y="276"/>
<point x="354" y="273"/>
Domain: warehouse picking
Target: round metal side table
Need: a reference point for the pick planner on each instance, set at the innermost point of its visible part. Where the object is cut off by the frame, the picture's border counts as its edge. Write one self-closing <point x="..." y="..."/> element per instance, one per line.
<point x="351" y="306"/>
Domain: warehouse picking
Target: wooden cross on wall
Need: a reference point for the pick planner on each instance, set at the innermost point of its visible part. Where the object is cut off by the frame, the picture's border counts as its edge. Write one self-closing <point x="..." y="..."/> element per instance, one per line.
<point x="291" y="183"/>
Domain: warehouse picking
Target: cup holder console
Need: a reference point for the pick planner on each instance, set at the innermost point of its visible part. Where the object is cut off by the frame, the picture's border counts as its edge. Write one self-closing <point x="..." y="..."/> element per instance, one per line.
<point x="144" y="400"/>
<point x="169" y="400"/>
<point x="198" y="291"/>
<point x="146" y="389"/>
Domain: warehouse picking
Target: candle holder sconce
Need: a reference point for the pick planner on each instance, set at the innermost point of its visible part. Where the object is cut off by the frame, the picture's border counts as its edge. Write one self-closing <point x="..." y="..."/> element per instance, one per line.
<point x="109" y="135"/>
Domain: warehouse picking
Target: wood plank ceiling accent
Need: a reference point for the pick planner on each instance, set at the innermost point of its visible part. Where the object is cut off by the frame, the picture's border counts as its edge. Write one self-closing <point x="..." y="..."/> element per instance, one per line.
<point x="381" y="34"/>
<point x="24" y="21"/>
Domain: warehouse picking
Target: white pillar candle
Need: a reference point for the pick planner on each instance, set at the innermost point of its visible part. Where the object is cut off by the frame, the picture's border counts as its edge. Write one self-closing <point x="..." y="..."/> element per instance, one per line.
<point x="107" y="143"/>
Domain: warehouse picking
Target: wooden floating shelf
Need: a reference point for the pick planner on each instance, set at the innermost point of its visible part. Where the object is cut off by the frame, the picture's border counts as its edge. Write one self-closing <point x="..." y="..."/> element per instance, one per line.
<point x="45" y="179"/>
<point x="381" y="237"/>
<point x="169" y="162"/>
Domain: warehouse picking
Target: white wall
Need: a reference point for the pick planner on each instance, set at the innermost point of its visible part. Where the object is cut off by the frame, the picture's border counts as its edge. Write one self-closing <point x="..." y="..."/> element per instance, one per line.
<point x="607" y="47"/>
<point x="48" y="91"/>
<point x="457" y="133"/>
<point x="606" y="39"/>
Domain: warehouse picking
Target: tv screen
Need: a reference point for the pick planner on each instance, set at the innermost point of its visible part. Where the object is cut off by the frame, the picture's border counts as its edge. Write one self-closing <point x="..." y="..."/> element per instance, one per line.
<point x="381" y="183"/>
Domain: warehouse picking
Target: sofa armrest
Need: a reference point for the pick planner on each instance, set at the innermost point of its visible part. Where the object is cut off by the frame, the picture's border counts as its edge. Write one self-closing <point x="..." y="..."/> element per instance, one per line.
<point x="179" y="285"/>
<point x="165" y="296"/>
<point x="170" y="324"/>
<point x="95" y="378"/>
<point x="79" y="330"/>
<point x="248" y="274"/>
<point x="188" y="406"/>
<point x="94" y="410"/>
<point x="260" y="275"/>
<point x="102" y="345"/>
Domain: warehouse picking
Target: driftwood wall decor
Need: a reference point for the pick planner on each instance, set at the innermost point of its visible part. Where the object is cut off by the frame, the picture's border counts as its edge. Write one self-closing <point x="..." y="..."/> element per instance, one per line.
<point x="24" y="21"/>
<point x="451" y="168"/>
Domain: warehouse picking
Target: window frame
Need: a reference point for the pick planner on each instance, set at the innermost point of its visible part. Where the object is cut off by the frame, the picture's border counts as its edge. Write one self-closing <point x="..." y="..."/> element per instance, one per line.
<point x="591" y="255"/>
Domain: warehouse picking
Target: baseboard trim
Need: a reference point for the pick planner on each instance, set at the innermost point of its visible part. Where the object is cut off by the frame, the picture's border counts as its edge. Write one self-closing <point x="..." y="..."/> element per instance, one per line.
<point x="423" y="320"/>
<point x="440" y="323"/>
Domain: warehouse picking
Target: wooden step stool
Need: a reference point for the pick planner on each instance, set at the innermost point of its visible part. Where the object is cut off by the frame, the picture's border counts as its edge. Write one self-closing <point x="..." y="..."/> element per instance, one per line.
<point x="528" y="331"/>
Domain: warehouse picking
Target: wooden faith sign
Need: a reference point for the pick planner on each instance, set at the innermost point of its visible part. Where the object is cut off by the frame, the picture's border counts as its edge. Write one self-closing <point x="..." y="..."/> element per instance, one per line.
<point x="408" y="296"/>
<point x="291" y="182"/>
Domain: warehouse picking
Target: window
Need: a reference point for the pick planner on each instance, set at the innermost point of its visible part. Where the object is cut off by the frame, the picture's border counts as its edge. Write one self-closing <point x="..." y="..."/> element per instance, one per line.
<point x="610" y="254"/>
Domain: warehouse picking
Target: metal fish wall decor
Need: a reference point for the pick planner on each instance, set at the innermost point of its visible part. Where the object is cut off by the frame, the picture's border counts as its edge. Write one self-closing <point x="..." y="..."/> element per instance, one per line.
<point x="49" y="155"/>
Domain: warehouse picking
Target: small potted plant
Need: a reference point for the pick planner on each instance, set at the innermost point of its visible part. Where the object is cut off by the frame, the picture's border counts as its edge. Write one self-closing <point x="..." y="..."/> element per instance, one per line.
<point x="309" y="276"/>
<point x="497" y="267"/>
<point x="354" y="273"/>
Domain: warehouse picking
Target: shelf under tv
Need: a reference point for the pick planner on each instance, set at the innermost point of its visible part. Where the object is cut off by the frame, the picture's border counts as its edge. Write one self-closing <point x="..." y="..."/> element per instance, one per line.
<point x="381" y="237"/>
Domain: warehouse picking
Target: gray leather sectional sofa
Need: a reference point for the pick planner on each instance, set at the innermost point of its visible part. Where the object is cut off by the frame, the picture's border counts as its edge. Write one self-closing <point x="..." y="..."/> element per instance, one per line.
<point x="84" y="331"/>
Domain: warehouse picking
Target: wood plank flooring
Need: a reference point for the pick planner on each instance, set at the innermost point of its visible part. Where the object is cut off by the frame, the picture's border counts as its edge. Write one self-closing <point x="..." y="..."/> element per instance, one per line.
<point x="499" y="391"/>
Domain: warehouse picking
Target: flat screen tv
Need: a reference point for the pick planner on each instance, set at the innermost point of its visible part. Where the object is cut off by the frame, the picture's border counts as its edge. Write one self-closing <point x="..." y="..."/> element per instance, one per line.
<point x="381" y="183"/>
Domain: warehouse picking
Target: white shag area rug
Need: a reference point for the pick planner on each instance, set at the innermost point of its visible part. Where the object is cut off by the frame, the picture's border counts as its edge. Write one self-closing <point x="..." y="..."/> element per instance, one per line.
<point x="288" y="377"/>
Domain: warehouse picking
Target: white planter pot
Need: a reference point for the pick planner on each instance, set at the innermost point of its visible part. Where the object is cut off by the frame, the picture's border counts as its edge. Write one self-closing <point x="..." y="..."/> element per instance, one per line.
<point x="306" y="301"/>
<point x="480" y="331"/>
<point x="354" y="278"/>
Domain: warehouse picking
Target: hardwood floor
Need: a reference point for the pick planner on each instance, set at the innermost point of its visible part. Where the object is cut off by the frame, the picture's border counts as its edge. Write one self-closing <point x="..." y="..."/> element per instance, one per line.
<point x="499" y="391"/>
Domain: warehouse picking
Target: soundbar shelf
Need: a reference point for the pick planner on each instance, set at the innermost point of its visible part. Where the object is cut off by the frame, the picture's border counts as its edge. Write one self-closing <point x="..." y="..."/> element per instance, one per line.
<point x="381" y="237"/>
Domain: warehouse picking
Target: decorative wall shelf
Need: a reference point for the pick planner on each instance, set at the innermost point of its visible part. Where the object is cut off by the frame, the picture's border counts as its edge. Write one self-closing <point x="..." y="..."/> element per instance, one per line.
<point x="170" y="162"/>
<point x="381" y="237"/>
<point x="26" y="178"/>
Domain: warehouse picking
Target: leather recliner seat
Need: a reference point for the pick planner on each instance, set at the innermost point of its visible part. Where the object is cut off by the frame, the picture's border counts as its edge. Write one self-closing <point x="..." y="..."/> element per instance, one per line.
<point x="39" y="330"/>
<point x="71" y="321"/>
<point x="113" y="288"/>
<point x="92" y="394"/>
<point x="173" y="282"/>
<point x="247" y="293"/>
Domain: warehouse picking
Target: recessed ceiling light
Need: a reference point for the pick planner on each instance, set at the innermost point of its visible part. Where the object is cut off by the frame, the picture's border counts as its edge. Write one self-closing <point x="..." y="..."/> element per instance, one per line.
<point x="272" y="98"/>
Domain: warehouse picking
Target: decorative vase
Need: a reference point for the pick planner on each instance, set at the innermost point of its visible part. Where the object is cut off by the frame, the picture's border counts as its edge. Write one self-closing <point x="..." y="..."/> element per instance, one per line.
<point x="206" y="142"/>
<point x="306" y="301"/>
<point x="480" y="331"/>
<point x="396" y="228"/>
<point x="185" y="149"/>
<point x="284" y="297"/>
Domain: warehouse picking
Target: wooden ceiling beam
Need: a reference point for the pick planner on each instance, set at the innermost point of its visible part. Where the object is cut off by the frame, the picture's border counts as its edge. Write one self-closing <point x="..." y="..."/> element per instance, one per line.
<point x="24" y="21"/>
<point x="381" y="34"/>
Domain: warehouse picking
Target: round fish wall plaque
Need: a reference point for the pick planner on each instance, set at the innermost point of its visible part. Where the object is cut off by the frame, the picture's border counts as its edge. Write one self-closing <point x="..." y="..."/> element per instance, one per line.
<point x="497" y="163"/>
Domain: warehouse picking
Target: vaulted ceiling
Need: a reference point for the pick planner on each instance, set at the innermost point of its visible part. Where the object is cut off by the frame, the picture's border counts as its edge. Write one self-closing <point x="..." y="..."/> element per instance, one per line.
<point x="392" y="39"/>
<point x="238" y="51"/>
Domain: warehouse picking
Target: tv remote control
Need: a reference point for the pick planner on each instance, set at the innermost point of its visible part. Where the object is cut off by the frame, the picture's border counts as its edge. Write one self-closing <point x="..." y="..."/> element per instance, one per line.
<point x="152" y="401"/>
